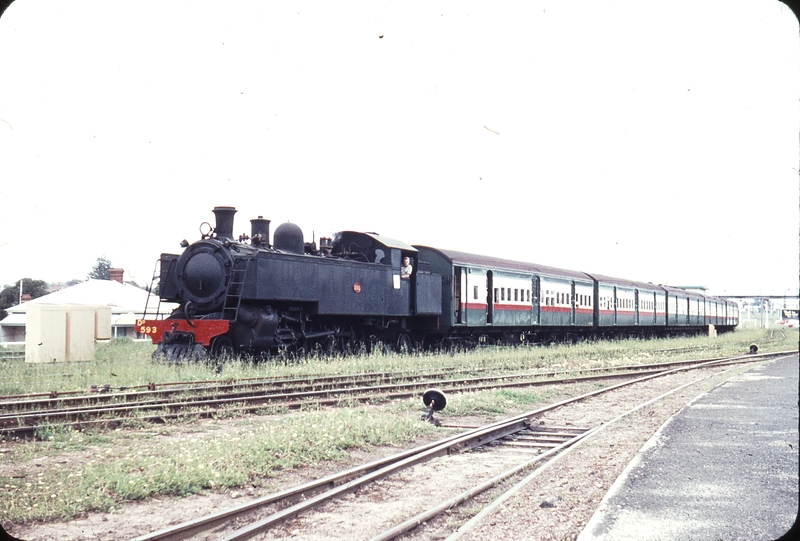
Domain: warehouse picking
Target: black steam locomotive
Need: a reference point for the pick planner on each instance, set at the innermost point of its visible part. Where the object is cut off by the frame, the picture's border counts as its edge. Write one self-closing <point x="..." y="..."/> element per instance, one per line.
<point x="364" y="290"/>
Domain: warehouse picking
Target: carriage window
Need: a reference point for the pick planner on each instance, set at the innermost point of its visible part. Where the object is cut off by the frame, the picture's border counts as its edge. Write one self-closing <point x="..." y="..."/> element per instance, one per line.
<point x="528" y="294"/>
<point x="475" y="293"/>
<point x="495" y="295"/>
<point x="502" y="293"/>
<point x="516" y="294"/>
<point x="509" y="293"/>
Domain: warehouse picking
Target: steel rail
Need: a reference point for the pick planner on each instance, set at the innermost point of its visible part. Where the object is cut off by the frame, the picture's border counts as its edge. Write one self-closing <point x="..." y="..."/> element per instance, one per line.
<point x="26" y="423"/>
<point x="259" y="403"/>
<point x="518" y="486"/>
<point x="211" y="384"/>
<point x="440" y="508"/>
<point x="31" y="405"/>
<point x="281" y="394"/>
<point x="295" y="400"/>
<point x="106" y="392"/>
<point x="452" y="444"/>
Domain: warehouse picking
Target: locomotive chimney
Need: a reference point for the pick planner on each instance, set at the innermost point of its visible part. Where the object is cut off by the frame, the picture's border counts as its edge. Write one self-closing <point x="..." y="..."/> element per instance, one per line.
<point x="224" y="229"/>
<point x="259" y="232"/>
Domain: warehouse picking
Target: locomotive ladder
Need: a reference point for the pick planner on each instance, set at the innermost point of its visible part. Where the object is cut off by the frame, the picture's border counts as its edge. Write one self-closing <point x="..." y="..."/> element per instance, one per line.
<point x="233" y="298"/>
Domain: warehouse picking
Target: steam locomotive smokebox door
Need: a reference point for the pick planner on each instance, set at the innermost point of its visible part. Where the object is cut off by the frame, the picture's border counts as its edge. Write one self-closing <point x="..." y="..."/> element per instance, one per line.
<point x="437" y="397"/>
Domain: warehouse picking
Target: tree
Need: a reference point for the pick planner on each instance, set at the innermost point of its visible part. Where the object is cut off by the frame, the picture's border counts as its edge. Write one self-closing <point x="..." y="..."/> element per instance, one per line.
<point x="100" y="269"/>
<point x="10" y="295"/>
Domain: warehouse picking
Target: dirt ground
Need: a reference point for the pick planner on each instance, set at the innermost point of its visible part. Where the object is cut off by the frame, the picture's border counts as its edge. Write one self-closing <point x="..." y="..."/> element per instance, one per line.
<point x="555" y="506"/>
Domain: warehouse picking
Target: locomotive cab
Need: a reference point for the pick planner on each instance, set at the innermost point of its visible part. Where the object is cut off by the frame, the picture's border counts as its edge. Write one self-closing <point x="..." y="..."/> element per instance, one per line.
<point x="383" y="276"/>
<point x="419" y="291"/>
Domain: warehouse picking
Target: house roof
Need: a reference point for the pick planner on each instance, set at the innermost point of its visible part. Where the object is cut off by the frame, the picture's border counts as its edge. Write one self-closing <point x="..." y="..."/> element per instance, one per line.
<point x="122" y="298"/>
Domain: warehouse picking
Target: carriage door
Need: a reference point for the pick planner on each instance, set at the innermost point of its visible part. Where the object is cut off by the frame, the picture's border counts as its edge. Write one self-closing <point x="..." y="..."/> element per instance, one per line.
<point x="489" y="297"/>
<point x="535" y="300"/>
<point x="636" y="307"/>
<point x="459" y="311"/>
<point x="572" y="303"/>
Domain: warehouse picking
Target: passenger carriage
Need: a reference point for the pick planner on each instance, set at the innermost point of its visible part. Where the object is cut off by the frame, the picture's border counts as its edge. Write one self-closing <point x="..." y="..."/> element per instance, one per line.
<point x="627" y="303"/>
<point x="481" y="291"/>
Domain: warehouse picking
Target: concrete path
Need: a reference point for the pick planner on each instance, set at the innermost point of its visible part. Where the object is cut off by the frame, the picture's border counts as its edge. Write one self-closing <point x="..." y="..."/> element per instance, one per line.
<point x="724" y="468"/>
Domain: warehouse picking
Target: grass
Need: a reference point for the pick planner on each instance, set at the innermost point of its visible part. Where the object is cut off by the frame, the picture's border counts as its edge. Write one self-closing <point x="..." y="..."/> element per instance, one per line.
<point x="69" y="473"/>
<point x="96" y="472"/>
<point x="125" y="363"/>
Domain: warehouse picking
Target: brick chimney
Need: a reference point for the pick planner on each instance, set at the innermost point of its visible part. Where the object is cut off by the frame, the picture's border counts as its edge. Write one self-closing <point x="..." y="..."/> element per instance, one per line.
<point x="116" y="274"/>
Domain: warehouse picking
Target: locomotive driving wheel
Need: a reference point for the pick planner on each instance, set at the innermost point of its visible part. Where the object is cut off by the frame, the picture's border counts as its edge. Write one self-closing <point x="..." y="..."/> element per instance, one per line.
<point x="404" y="343"/>
<point x="221" y="347"/>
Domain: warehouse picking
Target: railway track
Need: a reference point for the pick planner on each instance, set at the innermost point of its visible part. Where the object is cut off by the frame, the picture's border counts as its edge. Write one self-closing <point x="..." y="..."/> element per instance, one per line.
<point x="23" y="418"/>
<point x="533" y="449"/>
<point x="108" y="392"/>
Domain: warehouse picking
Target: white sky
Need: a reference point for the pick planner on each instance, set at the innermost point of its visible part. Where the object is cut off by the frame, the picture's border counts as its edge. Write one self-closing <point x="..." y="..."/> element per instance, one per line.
<point x="638" y="139"/>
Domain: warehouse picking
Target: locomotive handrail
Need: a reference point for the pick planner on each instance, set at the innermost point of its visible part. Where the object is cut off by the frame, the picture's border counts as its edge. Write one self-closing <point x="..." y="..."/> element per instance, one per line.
<point x="156" y="272"/>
